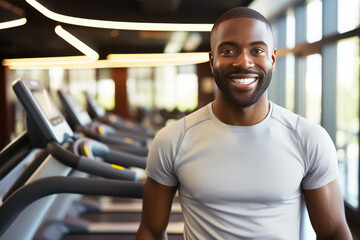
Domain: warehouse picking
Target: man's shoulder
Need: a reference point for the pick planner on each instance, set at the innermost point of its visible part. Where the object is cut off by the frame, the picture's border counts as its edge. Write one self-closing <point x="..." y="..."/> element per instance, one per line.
<point x="285" y="117"/>
<point x="197" y="117"/>
<point x="179" y="127"/>
<point x="303" y="127"/>
<point x="291" y="119"/>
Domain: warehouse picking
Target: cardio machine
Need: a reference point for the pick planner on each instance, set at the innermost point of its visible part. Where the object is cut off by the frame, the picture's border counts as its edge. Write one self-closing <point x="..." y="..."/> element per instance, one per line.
<point x="27" y="205"/>
<point x="80" y="121"/>
<point x="97" y="112"/>
<point x="48" y="127"/>
<point x="35" y="106"/>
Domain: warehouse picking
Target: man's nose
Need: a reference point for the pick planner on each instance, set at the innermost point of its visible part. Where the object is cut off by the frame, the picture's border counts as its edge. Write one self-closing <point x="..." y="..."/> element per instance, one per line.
<point x="244" y="61"/>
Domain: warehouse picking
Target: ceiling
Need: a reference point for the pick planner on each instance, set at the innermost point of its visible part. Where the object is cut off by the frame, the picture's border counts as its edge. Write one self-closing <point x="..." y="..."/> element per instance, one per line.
<point x="37" y="37"/>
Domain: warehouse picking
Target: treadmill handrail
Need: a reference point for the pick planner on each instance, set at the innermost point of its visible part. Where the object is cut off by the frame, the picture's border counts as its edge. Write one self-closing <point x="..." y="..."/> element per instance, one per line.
<point x="13" y="153"/>
<point x="63" y="155"/>
<point x="89" y="165"/>
<point x="127" y="159"/>
<point x="113" y="156"/>
<point x="31" y="192"/>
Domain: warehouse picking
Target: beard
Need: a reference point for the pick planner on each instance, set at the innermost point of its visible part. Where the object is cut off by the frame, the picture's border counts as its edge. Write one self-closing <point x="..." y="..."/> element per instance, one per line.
<point x="242" y="102"/>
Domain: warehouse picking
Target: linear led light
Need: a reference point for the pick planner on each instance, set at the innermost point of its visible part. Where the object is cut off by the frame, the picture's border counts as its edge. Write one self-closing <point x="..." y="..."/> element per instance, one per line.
<point x="118" y="24"/>
<point x="45" y="63"/>
<point x="13" y="23"/>
<point x="113" y="61"/>
<point x="71" y="39"/>
<point x="158" y="59"/>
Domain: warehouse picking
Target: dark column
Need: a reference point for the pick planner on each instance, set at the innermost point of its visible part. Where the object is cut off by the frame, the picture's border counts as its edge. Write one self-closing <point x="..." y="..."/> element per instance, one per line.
<point x="207" y="86"/>
<point x="121" y="99"/>
<point x="6" y="118"/>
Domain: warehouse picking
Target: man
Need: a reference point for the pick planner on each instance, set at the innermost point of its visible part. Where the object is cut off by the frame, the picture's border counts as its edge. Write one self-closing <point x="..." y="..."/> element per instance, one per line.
<point x="241" y="164"/>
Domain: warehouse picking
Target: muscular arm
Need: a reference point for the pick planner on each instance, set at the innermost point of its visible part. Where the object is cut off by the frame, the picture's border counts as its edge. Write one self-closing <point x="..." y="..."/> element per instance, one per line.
<point x="157" y="201"/>
<point x="326" y="210"/>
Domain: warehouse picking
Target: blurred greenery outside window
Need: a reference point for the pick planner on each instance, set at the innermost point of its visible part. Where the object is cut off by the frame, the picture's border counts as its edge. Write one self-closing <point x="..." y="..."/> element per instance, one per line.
<point x="347" y="117"/>
<point x="80" y="80"/>
<point x="168" y="88"/>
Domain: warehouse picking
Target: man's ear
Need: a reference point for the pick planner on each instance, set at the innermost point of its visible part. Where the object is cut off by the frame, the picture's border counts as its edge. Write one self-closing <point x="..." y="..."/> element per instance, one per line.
<point x="273" y="57"/>
<point x="211" y="61"/>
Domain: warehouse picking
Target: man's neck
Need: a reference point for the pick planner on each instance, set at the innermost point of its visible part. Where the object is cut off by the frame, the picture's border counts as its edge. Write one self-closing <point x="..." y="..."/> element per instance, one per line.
<point x="231" y="114"/>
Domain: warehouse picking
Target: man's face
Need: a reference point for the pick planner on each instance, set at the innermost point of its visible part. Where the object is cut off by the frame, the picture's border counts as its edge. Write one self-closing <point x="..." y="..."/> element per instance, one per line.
<point x="242" y="59"/>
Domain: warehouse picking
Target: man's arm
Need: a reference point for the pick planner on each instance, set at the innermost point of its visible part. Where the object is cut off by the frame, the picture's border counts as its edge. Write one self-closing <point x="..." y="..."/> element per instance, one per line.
<point x="326" y="211"/>
<point x="157" y="202"/>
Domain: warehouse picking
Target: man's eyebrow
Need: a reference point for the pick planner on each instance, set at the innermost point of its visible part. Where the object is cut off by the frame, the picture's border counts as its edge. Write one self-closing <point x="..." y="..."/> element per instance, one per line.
<point x="229" y="43"/>
<point x="258" y="43"/>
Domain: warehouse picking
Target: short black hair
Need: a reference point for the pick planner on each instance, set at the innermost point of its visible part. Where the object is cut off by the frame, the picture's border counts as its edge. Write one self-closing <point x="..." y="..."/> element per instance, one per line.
<point x="241" y="12"/>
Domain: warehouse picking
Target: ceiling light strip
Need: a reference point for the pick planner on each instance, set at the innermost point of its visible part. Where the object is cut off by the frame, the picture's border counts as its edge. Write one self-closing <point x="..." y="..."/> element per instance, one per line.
<point x="71" y="39"/>
<point x="157" y="59"/>
<point x="118" y="24"/>
<point x="113" y="61"/>
<point x="163" y="57"/>
<point x="13" y="23"/>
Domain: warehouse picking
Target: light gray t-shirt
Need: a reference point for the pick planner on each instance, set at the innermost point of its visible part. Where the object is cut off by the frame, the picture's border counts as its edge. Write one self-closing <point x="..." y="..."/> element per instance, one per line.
<point x="242" y="182"/>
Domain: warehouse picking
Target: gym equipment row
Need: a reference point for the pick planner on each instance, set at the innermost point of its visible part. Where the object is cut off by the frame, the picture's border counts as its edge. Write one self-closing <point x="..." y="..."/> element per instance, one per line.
<point x="45" y="171"/>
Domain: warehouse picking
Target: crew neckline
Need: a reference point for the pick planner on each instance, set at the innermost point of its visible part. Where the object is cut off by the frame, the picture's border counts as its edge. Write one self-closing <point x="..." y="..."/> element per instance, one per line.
<point x="257" y="125"/>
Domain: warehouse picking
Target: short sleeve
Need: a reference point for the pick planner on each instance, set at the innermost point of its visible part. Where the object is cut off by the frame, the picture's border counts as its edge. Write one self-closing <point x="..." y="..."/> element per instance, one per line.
<point x="162" y="153"/>
<point x="321" y="158"/>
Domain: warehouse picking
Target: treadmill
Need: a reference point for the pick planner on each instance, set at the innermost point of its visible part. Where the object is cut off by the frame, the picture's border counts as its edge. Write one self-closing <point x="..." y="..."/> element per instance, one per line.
<point x="79" y="120"/>
<point x="97" y="112"/>
<point x="110" y="208"/>
<point x="47" y="118"/>
<point x="30" y="178"/>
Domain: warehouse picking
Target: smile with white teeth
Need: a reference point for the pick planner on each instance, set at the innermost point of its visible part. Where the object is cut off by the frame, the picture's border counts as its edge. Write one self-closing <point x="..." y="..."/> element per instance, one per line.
<point x="243" y="81"/>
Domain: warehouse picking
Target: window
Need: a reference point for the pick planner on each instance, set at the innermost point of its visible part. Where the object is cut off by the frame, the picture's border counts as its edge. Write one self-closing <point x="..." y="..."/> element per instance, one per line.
<point x="56" y="77"/>
<point x="80" y="80"/>
<point x="106" y="93"/>
<point x="313" y="88"/>
<point x="348" y="15"/>
<point x="314" y="20"/>
<point x="165" y="87"/>
<point x="187" y="91"/>
<point x="347" y="117"/>
<point x="56" y="81"/>
<point x="140" y="87"/>
<point x="290" y="29"/>
<point x="168" y="87"/>
<point x="290" y="82"/>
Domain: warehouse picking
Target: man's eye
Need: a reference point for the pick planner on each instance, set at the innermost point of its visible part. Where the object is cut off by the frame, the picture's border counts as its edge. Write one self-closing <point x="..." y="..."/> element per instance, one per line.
<point x="227" y="51"/>
<point x="258" y="51"/>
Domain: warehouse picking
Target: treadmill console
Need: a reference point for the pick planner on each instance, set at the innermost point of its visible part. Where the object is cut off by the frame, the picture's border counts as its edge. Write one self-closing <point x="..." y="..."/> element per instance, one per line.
<point x="42" y="110"/>
<point x="76" y="112"/>
<point x="94" y="106"/>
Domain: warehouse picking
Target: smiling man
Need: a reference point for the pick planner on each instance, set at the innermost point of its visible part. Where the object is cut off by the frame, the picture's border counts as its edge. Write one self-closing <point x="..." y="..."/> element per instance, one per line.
<point x="242" y="164"/>
<point x="242" y="63"/>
